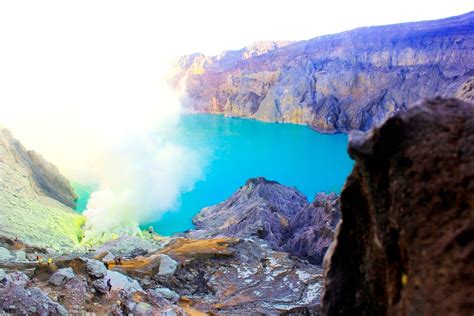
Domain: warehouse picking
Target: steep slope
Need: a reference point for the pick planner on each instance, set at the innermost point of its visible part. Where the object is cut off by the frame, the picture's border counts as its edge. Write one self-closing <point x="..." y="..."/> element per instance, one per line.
<point x="335" y="83"/>
<point x="260" y="208"/>
<point x="279" y="215"/>
<point x="34" y="198"/>
<point x="405" y="243"/>
<point x="311" y="230"/>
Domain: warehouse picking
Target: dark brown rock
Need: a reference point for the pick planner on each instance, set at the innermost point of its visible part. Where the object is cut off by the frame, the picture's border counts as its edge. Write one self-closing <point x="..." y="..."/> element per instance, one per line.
<point x="405" y="243"/>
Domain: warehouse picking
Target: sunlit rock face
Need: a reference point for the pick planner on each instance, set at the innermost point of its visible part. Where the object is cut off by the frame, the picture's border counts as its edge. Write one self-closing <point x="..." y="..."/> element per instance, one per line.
<point x="35" y="198"/>
<point x="405" y="243"/>
<point x="336" y="83"/>
<point x="466" y="90"/>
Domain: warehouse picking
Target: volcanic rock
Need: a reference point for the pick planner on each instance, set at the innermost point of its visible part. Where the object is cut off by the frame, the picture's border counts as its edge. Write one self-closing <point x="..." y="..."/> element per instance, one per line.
<point x="100" y="285"/>
<point x="466" y="90"/>
<point x="35" y="199"/>
<point x="61" y="276"/>
<point x="229" y="276"/>
<point x="278" y="215"/>
<point x="5" y="255"/>
<point x="311" y="230"/>
<point x="16" y="278"/>
<point x="96" y="269"/>
<point x="167" y="265"/>
<point x="405" y="243"/>
<point x="167" y="294"/>
<point x="122" y="282"/>
<point x="335" y="83"/>
<point x="21" y="301"/>
<point x="261" y="209"/>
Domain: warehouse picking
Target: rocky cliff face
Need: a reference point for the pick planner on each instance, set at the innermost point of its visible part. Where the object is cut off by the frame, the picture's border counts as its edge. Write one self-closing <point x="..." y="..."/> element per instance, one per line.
<point x="336" y="83"/>
<point x="405" y="243"/>
<point x="35" y="198"/>
<point x="311" y="230"/>
<point x="260" y="208"/>
<point x="281" y="216"/>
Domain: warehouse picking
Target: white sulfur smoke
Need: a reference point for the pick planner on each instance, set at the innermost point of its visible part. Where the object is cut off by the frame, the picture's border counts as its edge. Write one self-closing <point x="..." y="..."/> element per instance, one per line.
<point x="85" y="86"/>
<point x="145" y="178"/>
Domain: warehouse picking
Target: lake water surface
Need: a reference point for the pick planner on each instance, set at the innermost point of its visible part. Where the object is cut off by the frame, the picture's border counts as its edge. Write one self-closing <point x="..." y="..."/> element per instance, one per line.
<point x="237" y="149"/>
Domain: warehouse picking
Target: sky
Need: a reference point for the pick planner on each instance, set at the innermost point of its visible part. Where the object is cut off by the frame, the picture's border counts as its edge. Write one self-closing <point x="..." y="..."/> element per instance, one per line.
<point x="83" y="82"/>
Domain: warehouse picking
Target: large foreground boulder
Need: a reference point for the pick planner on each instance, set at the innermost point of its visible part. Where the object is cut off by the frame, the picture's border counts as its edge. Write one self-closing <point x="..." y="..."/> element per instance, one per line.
<point x="405" y="243"/>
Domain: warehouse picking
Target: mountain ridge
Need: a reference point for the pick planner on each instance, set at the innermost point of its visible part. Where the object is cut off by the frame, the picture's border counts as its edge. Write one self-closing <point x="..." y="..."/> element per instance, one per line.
<point x="353" y="80"/>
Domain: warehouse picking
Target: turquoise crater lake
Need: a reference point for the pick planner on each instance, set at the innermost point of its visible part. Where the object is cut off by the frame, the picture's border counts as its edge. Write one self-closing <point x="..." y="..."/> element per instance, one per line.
<point x="235" y="150"/>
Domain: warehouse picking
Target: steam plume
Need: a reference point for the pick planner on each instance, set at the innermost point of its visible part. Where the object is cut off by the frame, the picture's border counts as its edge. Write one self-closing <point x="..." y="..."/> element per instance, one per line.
<point x="92" y="98"/>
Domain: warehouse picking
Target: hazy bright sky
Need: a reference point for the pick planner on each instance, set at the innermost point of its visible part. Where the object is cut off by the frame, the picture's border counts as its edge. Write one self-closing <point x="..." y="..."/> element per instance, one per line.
<point x="207" y="26"/>
<point x="82" y="62"/>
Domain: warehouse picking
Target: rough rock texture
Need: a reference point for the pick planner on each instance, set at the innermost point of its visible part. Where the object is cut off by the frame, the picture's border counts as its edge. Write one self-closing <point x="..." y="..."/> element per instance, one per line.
<point x="32" y="301"/>
<point x="228" y="276"/>
<point x="61" y="276"/>
<point x="46" y="176"/>
<point x="335" y="83"/>
<point x="466" y="90"/>
<point x="279" y="215"/>
<point x="126" y="245"/>
<point x="405" y="243"/>
<point x="260" y="208"/>
<point x="32" y="198"/>
<point x="95" y="269"/>
<point x="167" y="265"/>
<point x="311" y="231"/>
<point x="221" y="276"/>
<point x="5" y="254"/>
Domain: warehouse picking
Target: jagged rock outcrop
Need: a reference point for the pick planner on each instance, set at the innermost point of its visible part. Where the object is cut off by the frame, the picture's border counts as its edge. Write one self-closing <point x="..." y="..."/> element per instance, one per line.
<point x="278" y="215"/>
<point x="311" y="231"/>
<point x="34" y="198"/>
<point x="405" y="243"/>
<point x="335" y="83"/>
<point x="261" y="208"/>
